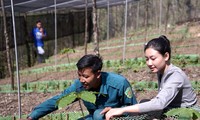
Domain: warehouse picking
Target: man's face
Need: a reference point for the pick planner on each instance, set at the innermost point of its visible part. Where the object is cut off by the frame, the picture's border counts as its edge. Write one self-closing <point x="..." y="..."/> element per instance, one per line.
<point x="39" y="25"/>
<point x="88" y="78"/>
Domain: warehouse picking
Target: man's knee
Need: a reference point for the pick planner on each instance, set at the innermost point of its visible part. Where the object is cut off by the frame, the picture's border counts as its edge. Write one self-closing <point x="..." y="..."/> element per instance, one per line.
<point x="97" y="115"/>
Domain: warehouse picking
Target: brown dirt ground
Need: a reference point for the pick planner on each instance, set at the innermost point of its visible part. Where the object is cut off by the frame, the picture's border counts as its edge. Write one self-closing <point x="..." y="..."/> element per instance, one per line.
<point x="9" y="101"/>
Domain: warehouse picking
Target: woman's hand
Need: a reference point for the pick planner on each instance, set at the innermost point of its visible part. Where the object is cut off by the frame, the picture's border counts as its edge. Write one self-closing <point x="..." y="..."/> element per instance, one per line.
<point x="114" y="112"/>
<point x="105" y="110"/>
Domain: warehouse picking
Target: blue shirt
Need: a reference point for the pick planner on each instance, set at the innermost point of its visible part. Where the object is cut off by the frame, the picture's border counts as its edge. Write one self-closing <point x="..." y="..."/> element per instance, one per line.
<point x="115" y="91"/>
<point x="37" y="36"/>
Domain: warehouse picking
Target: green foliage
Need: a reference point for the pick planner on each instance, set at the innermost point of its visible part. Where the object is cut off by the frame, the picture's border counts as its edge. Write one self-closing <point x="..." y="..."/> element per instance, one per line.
<point x="24" y="86"/>
<point x="108" y="64"/>
<point x="117" y="65"/>
<point x="69" y="98"/>
<point x="66" y="100"/>
<point x="183" y="60"/>
<point x="60" y="85"/>
<point x="152" y="85"/>
<point x="135" y="64"/>
<point x="183" y="114"/>
<point x="196" y="85"/>
<point x="88" y="96"/>
<point x="145" y="85"/>
<point x="43" y="86"/>
<point x="67" y="50"/>
<point x="58" y="116"/>
<point x="140" y="86"/>
<point x="57" y="68"/>
<point x="54" y="116"/>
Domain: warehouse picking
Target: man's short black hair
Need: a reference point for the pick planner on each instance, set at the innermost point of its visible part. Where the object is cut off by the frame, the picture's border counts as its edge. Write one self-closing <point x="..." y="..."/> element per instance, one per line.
<point x="38" y="21"/>
<point x="90" y="61"/>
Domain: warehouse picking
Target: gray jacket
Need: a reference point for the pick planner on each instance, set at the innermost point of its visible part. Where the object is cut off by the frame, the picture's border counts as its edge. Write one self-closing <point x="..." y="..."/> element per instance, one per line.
<point x="175" y="90"/>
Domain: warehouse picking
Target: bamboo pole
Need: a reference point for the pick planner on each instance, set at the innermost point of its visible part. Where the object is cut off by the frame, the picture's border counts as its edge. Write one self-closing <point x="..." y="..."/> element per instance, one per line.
<point x="16" y="59"/>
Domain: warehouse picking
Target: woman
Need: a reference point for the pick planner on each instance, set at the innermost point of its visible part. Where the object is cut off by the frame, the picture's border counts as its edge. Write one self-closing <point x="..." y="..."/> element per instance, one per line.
<point x="175" y="89"/>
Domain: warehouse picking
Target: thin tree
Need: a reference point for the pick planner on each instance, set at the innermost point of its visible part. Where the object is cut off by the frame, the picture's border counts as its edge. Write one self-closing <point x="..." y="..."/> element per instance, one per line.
<point x="86" y="25"/>
<point x="9" y="63"/>
<point x="174" y="11"/>
<point x="138" y="12"/>
<point x="167" y="15"/>
<point x="95" y="28"/>
<point x="26" y="41"/>
<point x="146" y="18"/>
<point x="160" y="18"/>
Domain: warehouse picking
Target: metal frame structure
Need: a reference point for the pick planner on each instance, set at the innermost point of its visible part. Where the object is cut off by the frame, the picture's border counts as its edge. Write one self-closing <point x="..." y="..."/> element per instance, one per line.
<point x="32" y="6"/>
<point x="28" y="6"/>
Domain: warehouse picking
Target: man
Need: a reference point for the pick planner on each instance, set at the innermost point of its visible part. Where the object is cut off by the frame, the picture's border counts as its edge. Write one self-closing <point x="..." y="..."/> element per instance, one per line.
<point x="39" y="34"/>
<point x="114" y="90"/>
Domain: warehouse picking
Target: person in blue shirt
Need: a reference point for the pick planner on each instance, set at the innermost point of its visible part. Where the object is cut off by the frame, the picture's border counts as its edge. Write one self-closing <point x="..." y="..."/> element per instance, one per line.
<point x="38" y="34"/>
<point x="113" y="90"/>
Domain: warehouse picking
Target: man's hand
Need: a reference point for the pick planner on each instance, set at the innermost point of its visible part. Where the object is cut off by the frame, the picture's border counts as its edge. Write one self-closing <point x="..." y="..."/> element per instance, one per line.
<point x="29" y="118"/>
<point x="105" y="110"/>
<point x="114" y="112"/>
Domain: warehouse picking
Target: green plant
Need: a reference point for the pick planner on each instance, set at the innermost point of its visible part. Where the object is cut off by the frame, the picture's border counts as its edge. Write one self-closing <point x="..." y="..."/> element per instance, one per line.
<point x="88" y="96"/>
<point x="184" y="114"/>
<point x="67" y="50"/>
<point x="140" y="86"/>
<point x="108" y="64"/>
<point x="152" y="85"/>
<point x="69" y="98"/>
<point x="185" y="60"/>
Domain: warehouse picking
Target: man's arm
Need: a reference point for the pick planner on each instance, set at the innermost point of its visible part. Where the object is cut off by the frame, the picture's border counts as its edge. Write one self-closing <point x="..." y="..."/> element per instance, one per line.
<point x="44" y="33"/>
<point x="44" y="108"/>
<point x="49" y="105"/>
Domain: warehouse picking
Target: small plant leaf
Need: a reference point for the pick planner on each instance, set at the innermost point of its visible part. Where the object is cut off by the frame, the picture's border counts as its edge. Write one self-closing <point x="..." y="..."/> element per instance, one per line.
<point x="88" y="96"/>
<point x="185" y="116"/>
<point x="66" y="100"/>
<point x="196" y="115"/>
<point x="183" y="113"/>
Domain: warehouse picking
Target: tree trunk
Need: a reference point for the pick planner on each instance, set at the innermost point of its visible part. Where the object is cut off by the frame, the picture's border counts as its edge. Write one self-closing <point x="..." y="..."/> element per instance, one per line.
<point x="138" y="13"/>
<point x="189" y="9"/>
<point x="95" y="28"/>
<point x="146" y="18"/>
<point x="167" y="15"/>
<point x="86" y="26"/>
<point x="160" y="17"/>
<point x="9" y="63"/>
<point x="26" y="42"/>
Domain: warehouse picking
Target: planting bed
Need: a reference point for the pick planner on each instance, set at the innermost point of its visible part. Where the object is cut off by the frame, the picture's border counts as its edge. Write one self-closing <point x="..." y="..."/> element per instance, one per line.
<point x="42" y="72"/>
<point x="9" y="101"/>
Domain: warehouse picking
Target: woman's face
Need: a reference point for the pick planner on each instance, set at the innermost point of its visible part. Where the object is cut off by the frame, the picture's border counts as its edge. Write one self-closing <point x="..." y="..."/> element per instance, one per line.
<point x="156" y="61"/>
